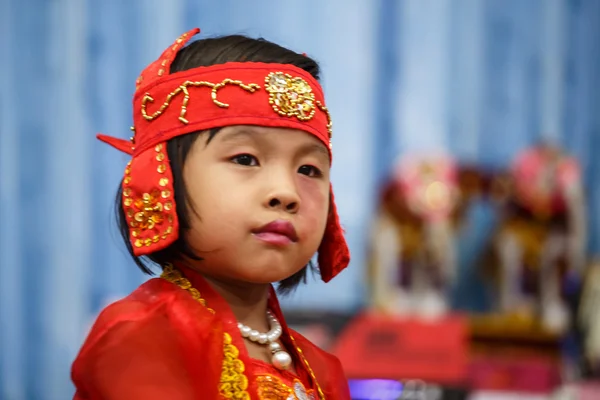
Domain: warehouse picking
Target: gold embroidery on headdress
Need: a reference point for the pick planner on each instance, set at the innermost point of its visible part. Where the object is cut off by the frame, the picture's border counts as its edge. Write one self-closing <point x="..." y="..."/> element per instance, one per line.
<point x="329" y="122"/>
<point x="147" y="210"/>
<point x="183" y="88"/>
<point x="290" y="96"/>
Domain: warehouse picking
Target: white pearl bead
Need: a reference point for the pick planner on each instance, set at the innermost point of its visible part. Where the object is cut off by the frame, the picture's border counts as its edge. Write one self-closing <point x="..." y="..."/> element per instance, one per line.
<point x="262" y="338"/>
<point x="281" y="360"/>
<point x="274" y="347"/>
<point x="253" y="335"/>
<point x="245" y="330"/>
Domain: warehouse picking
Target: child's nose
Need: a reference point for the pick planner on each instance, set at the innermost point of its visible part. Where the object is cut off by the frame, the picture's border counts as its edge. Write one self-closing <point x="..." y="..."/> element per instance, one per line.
<point x="285" y="199"/>
<point x="287" y="203"/>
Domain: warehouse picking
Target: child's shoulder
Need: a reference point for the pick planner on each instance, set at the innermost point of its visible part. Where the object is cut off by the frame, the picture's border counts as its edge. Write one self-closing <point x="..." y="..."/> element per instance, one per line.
<point x="146" y="304"/>
<point x="144" y="301"/>
<point x="137" y="340"/>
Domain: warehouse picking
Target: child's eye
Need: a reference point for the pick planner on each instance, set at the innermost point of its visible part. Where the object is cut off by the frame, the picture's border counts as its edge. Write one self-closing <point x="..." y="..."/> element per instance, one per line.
<point x="310" y="170"/>
<point x="245" y="159"/>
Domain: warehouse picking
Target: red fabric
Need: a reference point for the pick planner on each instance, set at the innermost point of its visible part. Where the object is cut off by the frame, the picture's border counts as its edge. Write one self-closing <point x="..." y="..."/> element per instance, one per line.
<point x="333" y="251"/>
<point x="160" y="343"/>
<point x="244" y="107"/>
<point x="168" y="105"/>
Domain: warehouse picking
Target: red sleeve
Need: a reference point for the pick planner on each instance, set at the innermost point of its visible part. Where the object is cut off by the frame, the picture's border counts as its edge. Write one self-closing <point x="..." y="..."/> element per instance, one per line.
<point x="149" y="351"/>
<point x="133" y="360"/>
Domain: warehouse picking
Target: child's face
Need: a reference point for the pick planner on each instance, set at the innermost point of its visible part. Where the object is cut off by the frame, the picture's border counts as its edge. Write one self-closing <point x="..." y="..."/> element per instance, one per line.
<point x="246" y="178"/>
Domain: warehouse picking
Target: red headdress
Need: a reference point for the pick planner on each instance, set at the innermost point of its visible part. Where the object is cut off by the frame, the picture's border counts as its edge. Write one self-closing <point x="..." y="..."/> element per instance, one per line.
<point x="167" y="105"/>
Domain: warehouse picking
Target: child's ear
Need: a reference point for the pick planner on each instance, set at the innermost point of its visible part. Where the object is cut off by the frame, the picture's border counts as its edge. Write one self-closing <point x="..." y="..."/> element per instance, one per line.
<point x="334" y="254"/>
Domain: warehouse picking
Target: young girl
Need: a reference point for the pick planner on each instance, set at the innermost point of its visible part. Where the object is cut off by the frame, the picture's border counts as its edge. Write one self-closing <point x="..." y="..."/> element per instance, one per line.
<point x="227" y="191"/>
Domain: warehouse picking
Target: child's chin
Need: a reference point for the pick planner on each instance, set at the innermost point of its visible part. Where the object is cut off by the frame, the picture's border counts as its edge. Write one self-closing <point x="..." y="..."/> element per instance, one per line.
<point x="268" y="276"/>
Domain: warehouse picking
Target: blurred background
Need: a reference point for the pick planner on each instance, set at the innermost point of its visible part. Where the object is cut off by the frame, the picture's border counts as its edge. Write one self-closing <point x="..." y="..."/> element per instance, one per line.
<point x="465" y="141"/>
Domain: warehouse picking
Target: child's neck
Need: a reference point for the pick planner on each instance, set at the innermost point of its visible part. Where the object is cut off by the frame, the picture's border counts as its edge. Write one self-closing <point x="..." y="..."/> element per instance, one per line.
<point x="247" y="301"/>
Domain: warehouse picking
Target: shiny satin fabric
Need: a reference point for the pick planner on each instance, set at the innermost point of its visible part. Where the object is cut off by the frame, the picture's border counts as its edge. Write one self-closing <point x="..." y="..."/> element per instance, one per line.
<point x="160" y="343"/>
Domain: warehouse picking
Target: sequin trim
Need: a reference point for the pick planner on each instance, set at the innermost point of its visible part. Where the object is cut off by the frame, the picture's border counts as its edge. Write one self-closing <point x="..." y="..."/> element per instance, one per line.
<point x="271" y="387"/>
<point x="289" y="96"/>
<point x="234" y="383"/>
<point x="183" y="88"/>
<point x="308" y="368"/>
<point x="147" y="211"/>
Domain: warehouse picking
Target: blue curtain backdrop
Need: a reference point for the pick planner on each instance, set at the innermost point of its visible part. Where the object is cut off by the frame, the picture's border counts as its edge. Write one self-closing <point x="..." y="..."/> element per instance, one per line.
<point x="480" y="78"/>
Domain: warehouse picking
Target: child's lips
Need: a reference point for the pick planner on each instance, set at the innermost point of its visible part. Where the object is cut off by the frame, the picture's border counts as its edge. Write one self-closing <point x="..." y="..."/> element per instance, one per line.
<point x="273" y="238"/>
<point x="278" y="232"/>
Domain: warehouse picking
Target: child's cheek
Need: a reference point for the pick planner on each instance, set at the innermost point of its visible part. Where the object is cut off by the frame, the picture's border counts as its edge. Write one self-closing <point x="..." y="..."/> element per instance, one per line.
<point x="314" y="206"/>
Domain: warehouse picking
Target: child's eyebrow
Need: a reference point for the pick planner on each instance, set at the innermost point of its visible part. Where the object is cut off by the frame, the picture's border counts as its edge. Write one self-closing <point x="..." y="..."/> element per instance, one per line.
<point x="311" y="148"/>
<point x="248" y="134"/>
<point x="237" y="135"/>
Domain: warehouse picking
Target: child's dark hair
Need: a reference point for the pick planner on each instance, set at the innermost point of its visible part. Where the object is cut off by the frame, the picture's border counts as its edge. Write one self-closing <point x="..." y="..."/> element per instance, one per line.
<point x="207" y="52"/>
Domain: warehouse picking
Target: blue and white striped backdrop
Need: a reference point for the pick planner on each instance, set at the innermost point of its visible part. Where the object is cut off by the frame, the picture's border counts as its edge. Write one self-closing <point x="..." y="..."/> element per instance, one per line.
<point x="482" y="78"/>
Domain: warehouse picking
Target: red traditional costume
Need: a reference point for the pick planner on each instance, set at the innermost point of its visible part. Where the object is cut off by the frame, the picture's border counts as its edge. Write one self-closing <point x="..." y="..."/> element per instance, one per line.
<point x="174" y="337"/>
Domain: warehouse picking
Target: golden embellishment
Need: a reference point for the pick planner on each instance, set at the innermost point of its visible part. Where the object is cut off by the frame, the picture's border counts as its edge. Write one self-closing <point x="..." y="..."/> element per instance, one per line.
<point x="234" y="383"/>
<point x="308" y="368"/>
<point x="150" y="212"/>
<point x="329" y="122"/>
<point x="172" y="275"/>
<point x="183" y="88"/>
<point x="147" y="211"/>
<point x="132" y="138"/>
<point x="271" y="387"/>
<point x="290" y="96"/>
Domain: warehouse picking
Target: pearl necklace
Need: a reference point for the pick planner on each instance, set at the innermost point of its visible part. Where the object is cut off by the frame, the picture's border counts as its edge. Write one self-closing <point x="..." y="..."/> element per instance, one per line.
<point x="280" y="359"/>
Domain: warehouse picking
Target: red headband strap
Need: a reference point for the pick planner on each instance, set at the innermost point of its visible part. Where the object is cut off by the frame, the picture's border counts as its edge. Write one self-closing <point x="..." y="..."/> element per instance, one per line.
<point x="276" y="95"/>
